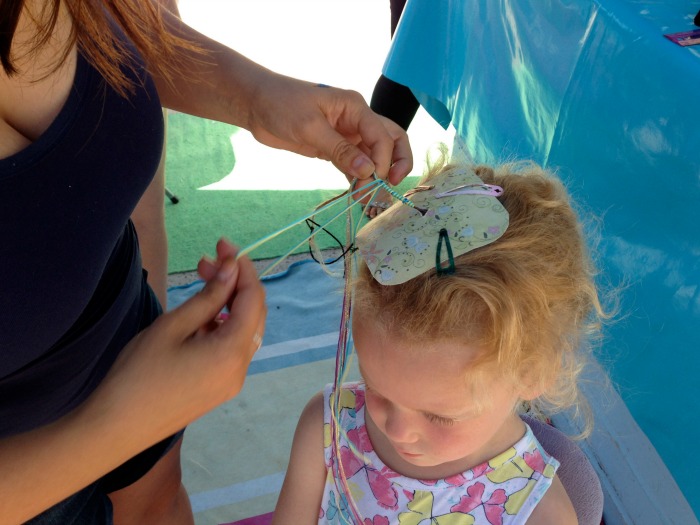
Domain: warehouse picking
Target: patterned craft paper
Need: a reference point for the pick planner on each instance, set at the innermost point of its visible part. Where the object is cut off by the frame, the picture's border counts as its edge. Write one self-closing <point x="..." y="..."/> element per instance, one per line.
<point x="401" y="243"/>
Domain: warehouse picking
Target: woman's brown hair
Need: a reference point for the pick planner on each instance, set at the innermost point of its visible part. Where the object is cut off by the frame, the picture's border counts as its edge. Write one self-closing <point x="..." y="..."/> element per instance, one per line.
<point x="96" y="36"/>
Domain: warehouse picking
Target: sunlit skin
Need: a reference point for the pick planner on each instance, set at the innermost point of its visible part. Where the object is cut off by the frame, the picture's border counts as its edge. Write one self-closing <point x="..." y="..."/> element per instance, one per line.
<point x="421" y="416"/>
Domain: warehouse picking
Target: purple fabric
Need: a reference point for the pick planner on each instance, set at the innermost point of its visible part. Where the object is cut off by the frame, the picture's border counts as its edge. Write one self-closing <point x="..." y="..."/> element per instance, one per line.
<point x="576" y="473"/>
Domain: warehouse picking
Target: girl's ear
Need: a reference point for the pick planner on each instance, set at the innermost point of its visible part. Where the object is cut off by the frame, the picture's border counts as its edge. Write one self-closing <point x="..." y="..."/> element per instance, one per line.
<point x="528" y="393"/>
<point x="533" y="385"/>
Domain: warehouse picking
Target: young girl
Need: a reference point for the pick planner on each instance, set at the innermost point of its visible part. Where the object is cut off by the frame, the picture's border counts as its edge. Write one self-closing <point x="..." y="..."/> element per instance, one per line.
<point x="467" y="307"/>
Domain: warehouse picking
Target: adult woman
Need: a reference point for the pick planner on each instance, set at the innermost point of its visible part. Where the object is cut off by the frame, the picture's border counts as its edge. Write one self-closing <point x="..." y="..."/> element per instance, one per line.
<point x="80" y="138"/>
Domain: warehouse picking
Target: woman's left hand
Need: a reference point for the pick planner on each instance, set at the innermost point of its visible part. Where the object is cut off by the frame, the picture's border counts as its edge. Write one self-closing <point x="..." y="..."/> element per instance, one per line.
<point x="329" y="123"/>
<point x="282" y="112"/>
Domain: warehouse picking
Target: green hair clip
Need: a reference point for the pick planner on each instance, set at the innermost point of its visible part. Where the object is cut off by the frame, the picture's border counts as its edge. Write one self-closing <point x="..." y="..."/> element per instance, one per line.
<point x="456" y="209"/>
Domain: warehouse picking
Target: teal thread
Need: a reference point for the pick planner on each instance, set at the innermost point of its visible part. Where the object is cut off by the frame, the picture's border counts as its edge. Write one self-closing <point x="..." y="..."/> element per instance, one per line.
<point x="397" y="195"/>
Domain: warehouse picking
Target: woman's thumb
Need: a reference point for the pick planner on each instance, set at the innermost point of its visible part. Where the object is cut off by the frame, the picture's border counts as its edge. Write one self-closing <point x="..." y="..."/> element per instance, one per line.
<point x="204" y="306"/>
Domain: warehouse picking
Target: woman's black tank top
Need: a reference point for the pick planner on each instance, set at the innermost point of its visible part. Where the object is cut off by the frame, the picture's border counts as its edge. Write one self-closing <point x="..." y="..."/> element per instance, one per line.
<point x="72" y="292"/>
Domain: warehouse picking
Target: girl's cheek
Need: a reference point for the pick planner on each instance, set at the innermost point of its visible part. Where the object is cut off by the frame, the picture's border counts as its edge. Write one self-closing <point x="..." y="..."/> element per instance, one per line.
<point x="375" y="407"/>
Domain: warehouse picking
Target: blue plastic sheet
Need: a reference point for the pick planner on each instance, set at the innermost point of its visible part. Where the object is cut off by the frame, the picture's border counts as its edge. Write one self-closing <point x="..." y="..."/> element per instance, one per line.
<point x="595" y="91"/>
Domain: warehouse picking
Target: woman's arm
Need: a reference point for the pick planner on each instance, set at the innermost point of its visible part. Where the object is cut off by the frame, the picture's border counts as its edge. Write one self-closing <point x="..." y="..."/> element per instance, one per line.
<point x="149" y="221"/>
<point x="286" y="113"/>
<point x="149" y="215"/>
<point x="181" y="367"/>
<point x="300" y="498"/>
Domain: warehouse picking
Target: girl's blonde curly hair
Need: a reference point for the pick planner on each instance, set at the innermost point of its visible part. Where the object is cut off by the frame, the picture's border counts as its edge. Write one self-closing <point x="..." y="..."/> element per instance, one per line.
<point x="528" y="300"/>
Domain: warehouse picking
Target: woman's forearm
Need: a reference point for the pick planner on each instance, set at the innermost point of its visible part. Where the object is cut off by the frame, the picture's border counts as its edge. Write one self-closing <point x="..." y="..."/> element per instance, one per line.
<point x="282" y="112"/>
<point x="217" y="84"/>
<point x="39" y="467"/>
<point x="173" y="372"/>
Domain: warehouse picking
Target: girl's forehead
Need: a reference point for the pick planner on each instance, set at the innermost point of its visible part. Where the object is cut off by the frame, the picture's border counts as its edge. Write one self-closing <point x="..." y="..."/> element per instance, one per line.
<point x="453" y="352"/>
<point x="432" y="370"/>
<point x="418" y="393"/>
<point x="438" y="377"/>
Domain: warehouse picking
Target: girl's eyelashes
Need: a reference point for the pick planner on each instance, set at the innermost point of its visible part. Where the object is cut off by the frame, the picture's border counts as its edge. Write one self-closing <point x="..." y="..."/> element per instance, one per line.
<point x="439" y="420"/>
<point x="433" y="418"/>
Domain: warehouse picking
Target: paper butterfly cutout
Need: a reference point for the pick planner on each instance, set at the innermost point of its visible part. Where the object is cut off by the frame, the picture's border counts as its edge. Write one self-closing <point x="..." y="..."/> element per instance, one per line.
<point x="404" y="242"/>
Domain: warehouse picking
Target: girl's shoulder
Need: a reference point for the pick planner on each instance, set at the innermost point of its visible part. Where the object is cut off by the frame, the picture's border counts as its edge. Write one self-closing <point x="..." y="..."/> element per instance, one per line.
<point x="555" y="507"/>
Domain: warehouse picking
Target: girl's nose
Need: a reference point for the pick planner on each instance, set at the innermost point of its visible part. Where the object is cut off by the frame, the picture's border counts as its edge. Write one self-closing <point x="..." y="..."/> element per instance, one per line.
<point x="399" y="428"/>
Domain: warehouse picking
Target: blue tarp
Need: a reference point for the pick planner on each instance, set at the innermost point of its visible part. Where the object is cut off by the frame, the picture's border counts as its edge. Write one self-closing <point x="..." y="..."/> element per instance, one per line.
<point x="595" y="91"/>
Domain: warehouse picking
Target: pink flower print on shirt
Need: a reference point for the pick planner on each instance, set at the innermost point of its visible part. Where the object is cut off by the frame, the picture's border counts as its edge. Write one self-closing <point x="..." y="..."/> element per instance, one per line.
<point x="534" y="460"/>
<point x="359" y="439"/>
<point x="359" y="400"/>
<point x="493" y="507"/>
<point x="377" y="520"/>
<point x="480" y="470"/>
<point x="455" y="481"/>
<point x="379" y="484"/>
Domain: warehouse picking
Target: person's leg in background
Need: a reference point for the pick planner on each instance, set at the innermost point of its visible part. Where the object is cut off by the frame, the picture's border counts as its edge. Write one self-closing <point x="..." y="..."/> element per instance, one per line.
<point x="394" y="101"/>
<point x="389" y="98"/>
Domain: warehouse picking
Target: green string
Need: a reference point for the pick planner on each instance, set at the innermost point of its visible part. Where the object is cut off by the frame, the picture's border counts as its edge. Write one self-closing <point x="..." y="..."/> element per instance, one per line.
<point x="343" y="357"/>
<point x="351" y="203"/>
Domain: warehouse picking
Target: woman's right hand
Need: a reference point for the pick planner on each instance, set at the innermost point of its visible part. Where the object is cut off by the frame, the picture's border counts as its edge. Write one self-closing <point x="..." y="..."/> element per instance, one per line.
<point x="185" y="364"/>
<point x="191" y="360"/>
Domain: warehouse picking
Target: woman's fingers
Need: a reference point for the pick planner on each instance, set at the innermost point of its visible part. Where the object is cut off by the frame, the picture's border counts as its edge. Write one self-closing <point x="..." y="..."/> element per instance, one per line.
<point x="225" y="248"/>
<point x="345" y="156"/>
<point x="329" y="123"/>
<point x="227" y="345"/>
<point x="207" y="268"/>
<point x="199" y="310"/>
<point x="246" y="301"/>
<point x="358" y="141"/>
<point x="389" y="147"/>
<point x="402" y="156"/>
<point x="246" y="305"/>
